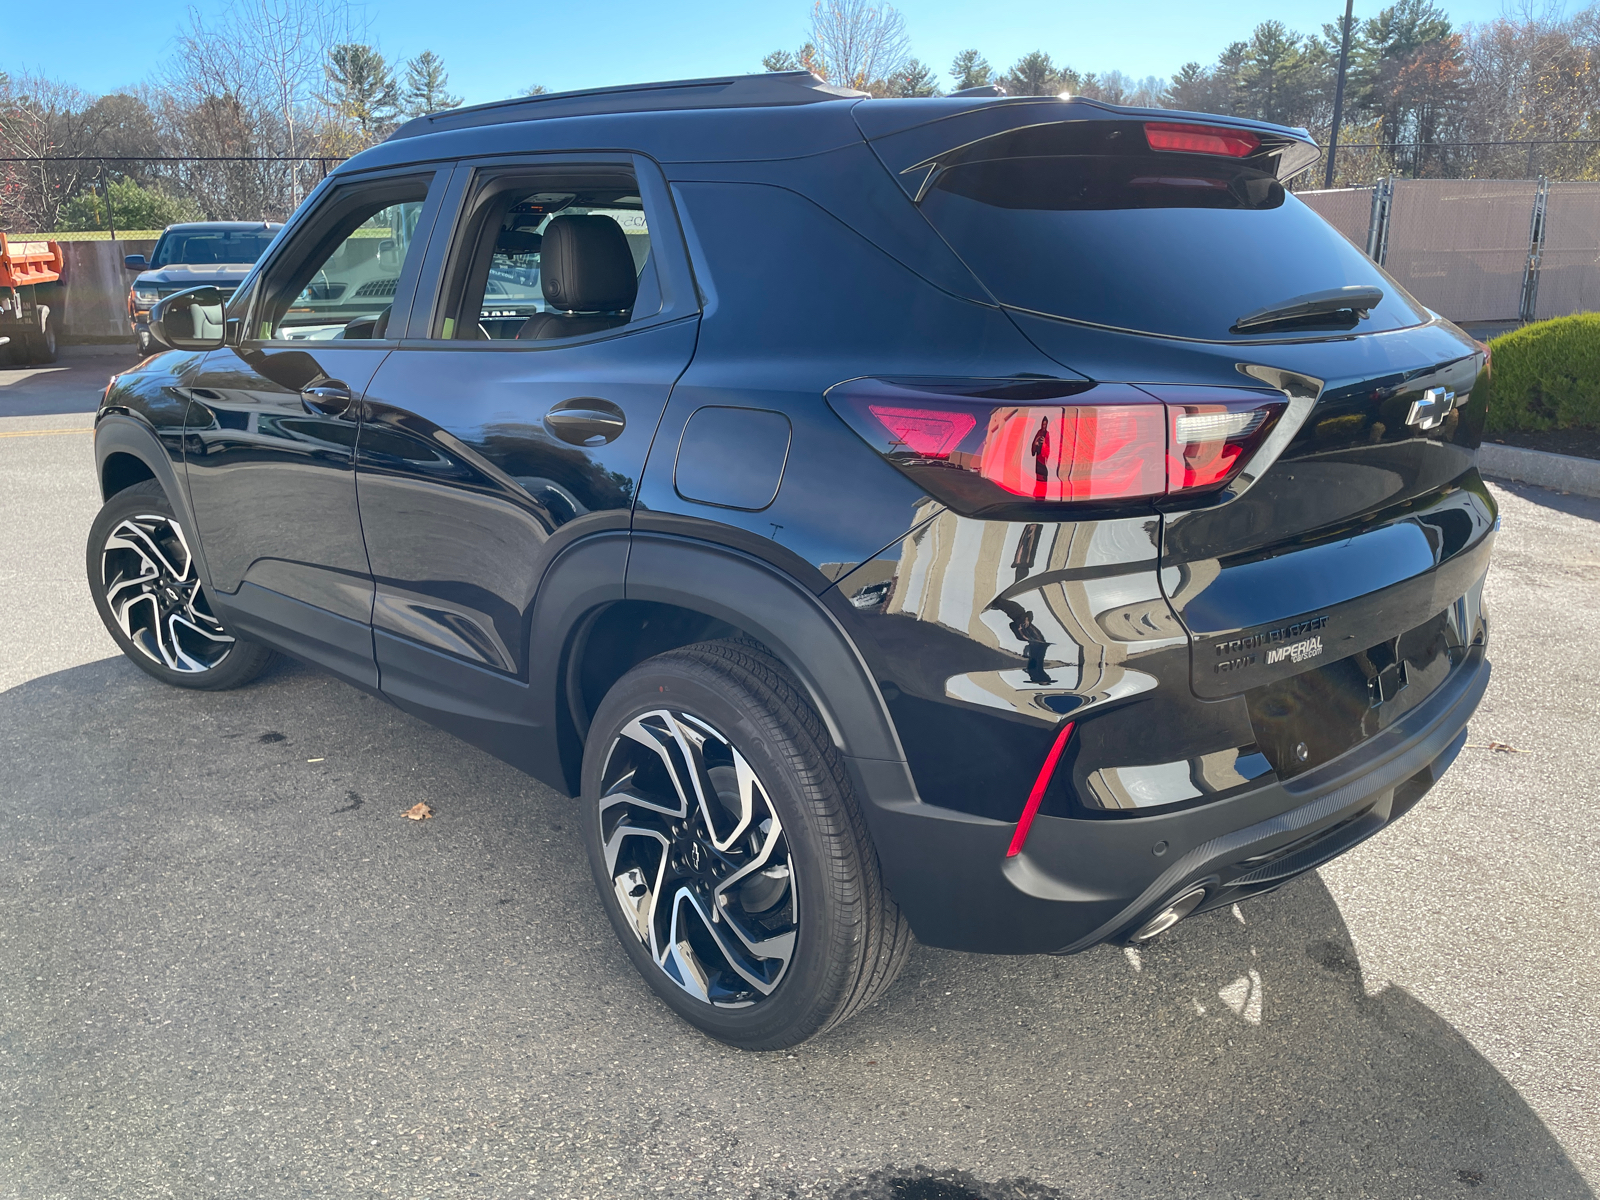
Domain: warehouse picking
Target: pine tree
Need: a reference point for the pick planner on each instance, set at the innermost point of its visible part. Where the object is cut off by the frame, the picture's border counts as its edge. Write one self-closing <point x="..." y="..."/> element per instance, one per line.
<point x="915" y="79"/>
<point x="425" y="86"/>
<point x="1034" y="75"/>
<point x="971" y="69"/>
<point x="361" y="87"/>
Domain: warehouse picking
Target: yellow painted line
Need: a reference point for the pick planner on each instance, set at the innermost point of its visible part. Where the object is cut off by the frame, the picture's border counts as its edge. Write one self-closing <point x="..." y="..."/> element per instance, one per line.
<point x="45" y="432"/>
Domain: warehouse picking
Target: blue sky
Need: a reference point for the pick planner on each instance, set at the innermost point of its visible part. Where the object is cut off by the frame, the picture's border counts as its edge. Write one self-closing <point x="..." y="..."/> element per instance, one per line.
<point x="494" y="49"/>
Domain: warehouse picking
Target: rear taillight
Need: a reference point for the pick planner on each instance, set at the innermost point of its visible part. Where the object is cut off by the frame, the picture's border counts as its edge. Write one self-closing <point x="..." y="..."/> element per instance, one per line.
<point x="1201" y="139"/>
<point x="986" y="447"/>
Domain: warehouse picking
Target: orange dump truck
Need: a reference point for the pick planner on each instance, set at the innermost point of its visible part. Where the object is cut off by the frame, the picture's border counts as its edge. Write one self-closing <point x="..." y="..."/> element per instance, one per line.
<point x="27" y="330"/>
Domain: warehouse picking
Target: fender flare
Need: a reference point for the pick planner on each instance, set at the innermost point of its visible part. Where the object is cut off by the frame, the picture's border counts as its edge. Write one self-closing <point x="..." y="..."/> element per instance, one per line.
<point x="118" y="433"/>
<point x="730" y="586"/>
<point x="748" y="593"/>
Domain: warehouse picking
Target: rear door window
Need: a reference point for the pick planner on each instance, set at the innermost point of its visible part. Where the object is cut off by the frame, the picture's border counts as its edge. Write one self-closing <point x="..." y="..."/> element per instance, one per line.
<point x="1092" y="225"/>
<point x="500" y="286"/>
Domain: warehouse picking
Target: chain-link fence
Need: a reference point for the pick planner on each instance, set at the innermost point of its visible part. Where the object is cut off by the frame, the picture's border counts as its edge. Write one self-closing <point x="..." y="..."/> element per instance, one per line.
<point x="36" y="192"/>
<point x="1478" y="250"/>
<point x="1364" y="163"/>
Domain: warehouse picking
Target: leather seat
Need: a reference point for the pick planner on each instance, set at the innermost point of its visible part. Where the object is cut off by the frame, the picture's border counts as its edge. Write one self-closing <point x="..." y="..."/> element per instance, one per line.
<point x="586" y="273"/>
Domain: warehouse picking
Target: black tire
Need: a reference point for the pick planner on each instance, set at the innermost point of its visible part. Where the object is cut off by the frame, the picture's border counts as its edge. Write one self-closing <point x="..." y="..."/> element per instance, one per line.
<point x="140" y="567"/>
<point x="41" y="346"/>
<point x="847" y="937"/>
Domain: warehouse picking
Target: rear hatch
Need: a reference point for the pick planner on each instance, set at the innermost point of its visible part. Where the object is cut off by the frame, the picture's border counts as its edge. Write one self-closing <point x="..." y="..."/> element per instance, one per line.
<point x="1333" y="583"/>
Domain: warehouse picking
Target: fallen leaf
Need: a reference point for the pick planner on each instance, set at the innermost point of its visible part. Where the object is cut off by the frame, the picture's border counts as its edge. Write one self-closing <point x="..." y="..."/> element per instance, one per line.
<point x="1501" y="747"/>
<point x="418" y="812"/>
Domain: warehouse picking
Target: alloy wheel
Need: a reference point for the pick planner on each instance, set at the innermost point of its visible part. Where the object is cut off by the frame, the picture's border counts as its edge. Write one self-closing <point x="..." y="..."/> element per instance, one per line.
<point x="698" y="859"/>
<point x="153" y="592"/>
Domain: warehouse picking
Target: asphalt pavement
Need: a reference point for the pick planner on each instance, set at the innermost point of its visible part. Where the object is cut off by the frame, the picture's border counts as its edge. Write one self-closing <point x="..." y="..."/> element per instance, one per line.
<point x="232" y="969"/>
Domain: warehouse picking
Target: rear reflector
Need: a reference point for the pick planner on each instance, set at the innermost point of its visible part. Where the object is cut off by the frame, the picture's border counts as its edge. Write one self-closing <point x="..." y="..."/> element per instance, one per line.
<point x="987" y="447"/>
<point x="1031" y="809"/>
<point x="925" y="431"/>
<point x="1201" y="139"/>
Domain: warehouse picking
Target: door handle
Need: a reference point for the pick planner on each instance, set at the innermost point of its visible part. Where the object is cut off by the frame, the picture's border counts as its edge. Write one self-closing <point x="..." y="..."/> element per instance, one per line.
<point x="586" y="421"/>
<point x="326" y="399"/>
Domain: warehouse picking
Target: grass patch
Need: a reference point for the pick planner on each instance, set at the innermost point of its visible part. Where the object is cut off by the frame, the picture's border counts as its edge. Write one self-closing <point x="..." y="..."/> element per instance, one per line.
<point x="1546" y="376"/>
<point x="88" y="235"/>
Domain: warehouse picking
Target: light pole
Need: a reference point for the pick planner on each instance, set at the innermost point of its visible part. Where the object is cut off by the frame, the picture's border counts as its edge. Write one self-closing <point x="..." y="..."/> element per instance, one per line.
<point x="1338" y="92"/>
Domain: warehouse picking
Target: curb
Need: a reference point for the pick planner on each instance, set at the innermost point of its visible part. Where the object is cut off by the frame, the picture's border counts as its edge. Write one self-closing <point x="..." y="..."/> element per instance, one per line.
<point x="1563" y="472"/>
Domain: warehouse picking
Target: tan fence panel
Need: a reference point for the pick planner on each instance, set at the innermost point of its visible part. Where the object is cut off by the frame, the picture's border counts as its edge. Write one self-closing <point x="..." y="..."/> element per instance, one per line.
<point x="1461" y="245"/>
<point x="1569" y="269"/>
<point x="96" y="288"/>
<point x="1349" y="210"/>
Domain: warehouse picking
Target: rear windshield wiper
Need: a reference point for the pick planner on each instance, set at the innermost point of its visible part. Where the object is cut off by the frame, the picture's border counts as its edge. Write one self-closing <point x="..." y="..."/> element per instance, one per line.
<point x="1356" y="300"/>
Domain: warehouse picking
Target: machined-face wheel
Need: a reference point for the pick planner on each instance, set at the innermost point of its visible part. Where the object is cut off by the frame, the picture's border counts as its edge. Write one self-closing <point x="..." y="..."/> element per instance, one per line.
<point x="152" y="590"/>
<point x="698" y="859"/>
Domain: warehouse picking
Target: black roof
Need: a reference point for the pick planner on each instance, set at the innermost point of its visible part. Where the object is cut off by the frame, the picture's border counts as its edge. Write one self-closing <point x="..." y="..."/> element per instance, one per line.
<point x="731" y="118"/>
<point x="723" y="91"/>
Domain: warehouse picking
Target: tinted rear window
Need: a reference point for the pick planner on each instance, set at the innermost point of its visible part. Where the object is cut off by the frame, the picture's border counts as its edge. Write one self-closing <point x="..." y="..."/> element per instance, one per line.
<point x="1176" y="244"/>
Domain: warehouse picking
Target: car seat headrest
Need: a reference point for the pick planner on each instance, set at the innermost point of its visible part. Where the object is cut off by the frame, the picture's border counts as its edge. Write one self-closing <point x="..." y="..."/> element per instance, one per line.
<point x="585" y="265"/>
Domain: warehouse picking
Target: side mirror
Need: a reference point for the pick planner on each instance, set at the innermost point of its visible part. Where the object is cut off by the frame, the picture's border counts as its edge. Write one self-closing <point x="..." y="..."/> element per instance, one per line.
<point x="136" y="262"/>
<point x="389" y="255"/>
<point x="190" y="320"/>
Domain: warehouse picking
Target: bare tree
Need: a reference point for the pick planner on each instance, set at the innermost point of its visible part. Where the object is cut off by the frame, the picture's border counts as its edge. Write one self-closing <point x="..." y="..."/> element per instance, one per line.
<point x="249" y="85"/>
<point x="857" y="42"/>
<point x="38" y="118"/>
<point x="292" y="39"/>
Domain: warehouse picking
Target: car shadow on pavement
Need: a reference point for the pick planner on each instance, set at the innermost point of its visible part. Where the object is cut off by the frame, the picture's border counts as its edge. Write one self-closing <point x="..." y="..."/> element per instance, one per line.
<point x="233" y="963"/>
<point x="1571" y="503"/>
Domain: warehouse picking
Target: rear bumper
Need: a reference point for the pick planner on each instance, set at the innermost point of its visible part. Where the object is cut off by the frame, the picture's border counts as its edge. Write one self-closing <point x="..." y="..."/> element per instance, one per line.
<point x="1082" y="882"/>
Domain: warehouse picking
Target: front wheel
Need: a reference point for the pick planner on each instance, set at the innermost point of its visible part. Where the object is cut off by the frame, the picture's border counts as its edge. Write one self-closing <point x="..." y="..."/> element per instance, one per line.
<point x="730" y="852"/>
<point x="146" y="586"/>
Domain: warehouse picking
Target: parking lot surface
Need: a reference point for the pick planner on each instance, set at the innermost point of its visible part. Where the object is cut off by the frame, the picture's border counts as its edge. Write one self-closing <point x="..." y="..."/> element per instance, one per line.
<point x="232" y="969"/>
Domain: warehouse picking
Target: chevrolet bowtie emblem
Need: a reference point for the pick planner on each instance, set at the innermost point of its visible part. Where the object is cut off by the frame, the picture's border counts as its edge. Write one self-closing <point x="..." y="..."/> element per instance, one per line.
<point x="1432" y="409"/>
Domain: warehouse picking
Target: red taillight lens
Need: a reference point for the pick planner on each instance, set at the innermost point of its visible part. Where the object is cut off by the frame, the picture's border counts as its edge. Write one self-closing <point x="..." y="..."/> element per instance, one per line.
<point x="987" y="447"/>
<point x="1077" y="452"/>
<point x="1201" y="139"/>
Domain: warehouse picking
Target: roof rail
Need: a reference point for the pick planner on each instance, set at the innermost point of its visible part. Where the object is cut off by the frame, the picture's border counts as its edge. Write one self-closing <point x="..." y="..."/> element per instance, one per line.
<point x="722" y="91"/>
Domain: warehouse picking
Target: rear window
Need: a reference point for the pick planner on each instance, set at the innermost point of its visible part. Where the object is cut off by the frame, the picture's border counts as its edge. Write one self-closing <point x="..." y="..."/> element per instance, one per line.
<point x="1176" y="244"/>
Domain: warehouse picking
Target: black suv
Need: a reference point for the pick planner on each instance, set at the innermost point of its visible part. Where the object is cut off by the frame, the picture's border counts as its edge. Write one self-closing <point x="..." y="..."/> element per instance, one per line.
<point x="1020" y="522"/>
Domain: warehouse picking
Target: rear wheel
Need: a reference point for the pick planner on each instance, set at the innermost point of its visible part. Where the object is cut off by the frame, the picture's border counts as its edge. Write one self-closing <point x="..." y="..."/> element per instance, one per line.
<point x="730" y="852"/>
<point x="147" y="588"/>
<point x="41" y="341"/>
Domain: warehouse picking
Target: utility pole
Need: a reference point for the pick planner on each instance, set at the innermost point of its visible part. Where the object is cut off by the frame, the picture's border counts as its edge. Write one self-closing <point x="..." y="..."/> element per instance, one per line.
<point x="111" y="220"/>
<point x="1338" y="91"/>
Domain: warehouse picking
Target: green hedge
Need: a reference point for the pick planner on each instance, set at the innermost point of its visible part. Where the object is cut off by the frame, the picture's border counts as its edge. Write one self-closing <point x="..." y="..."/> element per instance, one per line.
<point x="1547" y="376"/>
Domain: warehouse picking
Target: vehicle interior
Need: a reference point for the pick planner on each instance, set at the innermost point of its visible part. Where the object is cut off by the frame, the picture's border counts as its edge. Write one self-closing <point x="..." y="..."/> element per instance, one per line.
<point x="544" y="257"/>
